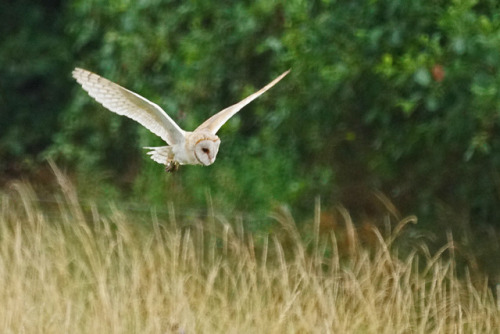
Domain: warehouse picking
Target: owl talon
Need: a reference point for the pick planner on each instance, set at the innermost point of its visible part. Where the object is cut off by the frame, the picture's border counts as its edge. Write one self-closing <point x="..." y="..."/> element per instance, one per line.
<point x="172" y="166"/>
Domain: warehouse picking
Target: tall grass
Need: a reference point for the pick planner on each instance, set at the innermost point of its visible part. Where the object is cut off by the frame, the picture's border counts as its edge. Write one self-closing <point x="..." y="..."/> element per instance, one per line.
<point x="72" y="269"/>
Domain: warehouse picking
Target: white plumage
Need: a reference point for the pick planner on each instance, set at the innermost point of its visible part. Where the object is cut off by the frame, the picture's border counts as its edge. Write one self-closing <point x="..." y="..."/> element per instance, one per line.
<point x="199" y="147"/>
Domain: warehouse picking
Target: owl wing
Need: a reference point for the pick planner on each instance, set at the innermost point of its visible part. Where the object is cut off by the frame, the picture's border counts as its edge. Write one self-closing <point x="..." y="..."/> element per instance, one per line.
<point x="214" y="123"/>
<point x="127" y="103"/>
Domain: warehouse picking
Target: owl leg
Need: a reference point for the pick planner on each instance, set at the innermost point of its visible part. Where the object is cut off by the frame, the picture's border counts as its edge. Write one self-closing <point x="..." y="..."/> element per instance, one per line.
<point x="171" y="166"/>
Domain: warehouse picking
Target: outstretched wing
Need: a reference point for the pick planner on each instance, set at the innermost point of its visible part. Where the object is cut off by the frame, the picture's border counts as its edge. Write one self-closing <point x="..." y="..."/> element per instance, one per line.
<point x="127" y="103"/>
<point x="214" y="123"/>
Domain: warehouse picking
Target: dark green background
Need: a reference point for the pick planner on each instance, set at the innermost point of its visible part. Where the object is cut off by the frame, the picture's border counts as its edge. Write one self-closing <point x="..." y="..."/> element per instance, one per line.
<point x="365" y="107"/>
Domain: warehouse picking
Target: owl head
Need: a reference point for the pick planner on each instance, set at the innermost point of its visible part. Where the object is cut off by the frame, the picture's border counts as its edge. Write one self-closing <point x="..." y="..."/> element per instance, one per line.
<point x="205" y="149"/>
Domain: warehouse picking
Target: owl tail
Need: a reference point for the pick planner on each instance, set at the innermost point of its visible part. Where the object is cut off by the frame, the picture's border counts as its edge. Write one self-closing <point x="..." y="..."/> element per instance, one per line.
<point x="160" y="154"/>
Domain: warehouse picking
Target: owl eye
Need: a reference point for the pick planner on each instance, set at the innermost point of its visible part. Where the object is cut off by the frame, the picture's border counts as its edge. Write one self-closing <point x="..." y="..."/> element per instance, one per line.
<point x="205" y="150"/>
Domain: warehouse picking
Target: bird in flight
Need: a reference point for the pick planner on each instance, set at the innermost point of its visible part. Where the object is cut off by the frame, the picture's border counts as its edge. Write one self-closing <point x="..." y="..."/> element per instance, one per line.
<point x="198" y="147"/>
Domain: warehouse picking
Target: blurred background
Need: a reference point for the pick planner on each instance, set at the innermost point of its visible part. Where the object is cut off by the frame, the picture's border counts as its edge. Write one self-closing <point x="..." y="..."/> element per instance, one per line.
<point x="391" y="106"/>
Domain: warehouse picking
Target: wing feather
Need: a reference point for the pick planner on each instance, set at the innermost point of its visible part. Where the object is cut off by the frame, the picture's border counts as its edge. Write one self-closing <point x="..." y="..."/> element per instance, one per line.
<point x="215" y="122"/>
<point x="127" y="103"/>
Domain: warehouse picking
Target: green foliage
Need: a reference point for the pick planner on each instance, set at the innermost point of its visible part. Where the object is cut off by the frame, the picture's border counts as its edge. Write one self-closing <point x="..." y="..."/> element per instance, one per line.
<point x="401" y="96"/>
<point x="381" y="113"/>
<point x="33" y="81"/>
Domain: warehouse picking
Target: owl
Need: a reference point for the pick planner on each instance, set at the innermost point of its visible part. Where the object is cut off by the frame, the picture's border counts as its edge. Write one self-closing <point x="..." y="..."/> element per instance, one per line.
<point x="198" y="147"/>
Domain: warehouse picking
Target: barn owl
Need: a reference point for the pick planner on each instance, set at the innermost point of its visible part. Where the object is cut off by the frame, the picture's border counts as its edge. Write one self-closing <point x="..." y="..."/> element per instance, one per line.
<point x="199" y="147"/>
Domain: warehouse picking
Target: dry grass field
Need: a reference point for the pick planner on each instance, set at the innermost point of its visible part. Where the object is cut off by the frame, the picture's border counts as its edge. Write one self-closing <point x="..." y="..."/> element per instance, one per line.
<point x="74" y="269"/>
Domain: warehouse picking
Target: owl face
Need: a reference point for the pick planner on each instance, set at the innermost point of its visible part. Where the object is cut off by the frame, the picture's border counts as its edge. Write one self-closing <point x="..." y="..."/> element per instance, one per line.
<point x="206" y="150"/>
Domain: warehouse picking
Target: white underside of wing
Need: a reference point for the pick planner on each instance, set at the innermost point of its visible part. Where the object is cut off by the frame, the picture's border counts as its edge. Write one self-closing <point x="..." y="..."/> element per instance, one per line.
<point x="127" y="103"/>
<point x="214" y="123"/>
